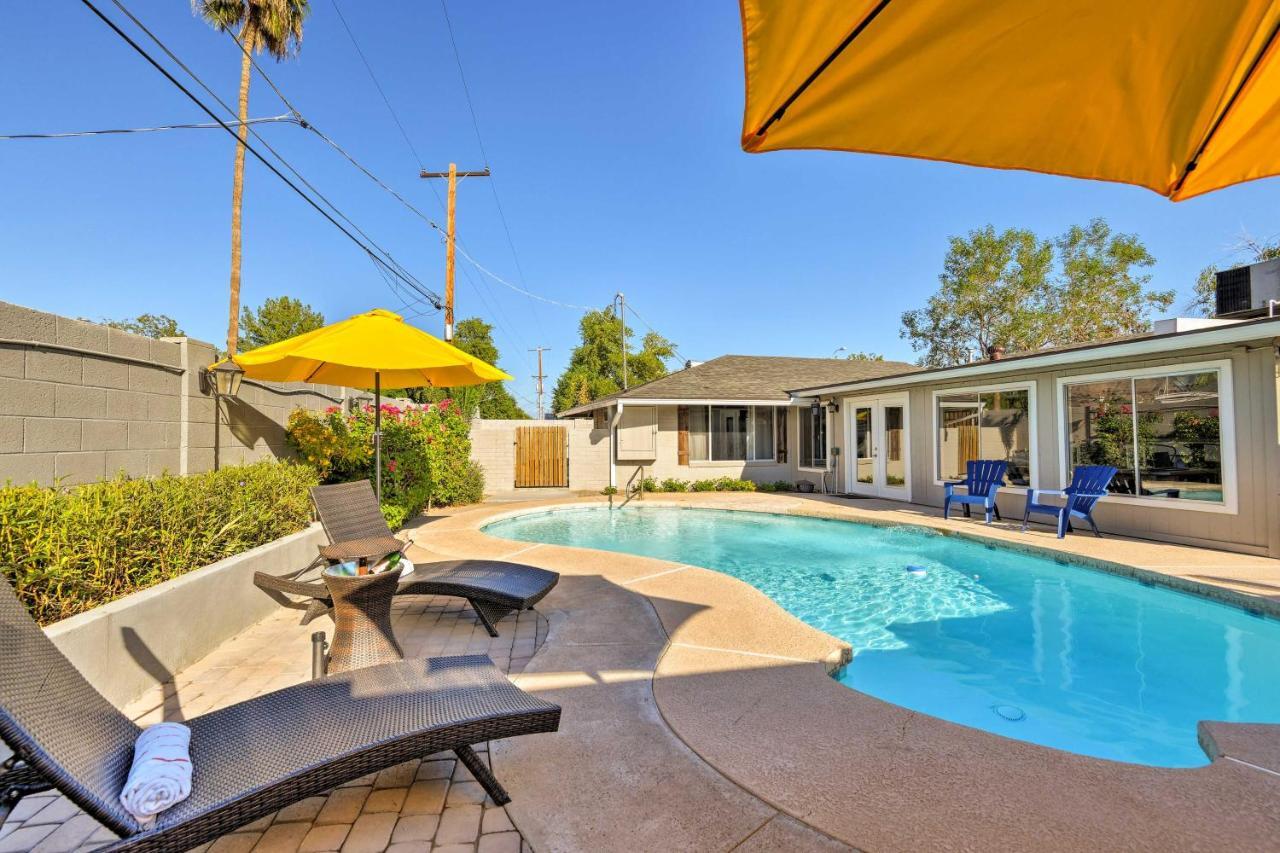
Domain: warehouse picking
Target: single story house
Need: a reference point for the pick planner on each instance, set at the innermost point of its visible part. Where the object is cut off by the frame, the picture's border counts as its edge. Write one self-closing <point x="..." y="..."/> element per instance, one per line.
<point x="1187" y="413"/>
<point x="732" y="416"/>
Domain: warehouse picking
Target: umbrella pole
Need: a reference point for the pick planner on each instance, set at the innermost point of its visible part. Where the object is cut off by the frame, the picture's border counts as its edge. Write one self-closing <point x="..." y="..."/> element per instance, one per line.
<point x="377" y="434"/>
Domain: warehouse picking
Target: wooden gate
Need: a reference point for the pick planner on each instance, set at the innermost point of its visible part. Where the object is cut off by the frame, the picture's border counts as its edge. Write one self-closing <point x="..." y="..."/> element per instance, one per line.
<point x="541" y="459"/>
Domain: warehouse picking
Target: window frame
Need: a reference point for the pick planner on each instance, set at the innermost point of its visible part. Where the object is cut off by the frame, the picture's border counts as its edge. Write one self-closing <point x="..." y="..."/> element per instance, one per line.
<point x="1226" y="433"/>
<point x="801" y="414"/>
<point x="1033" y="447"/>
<point x="749" y="458"/>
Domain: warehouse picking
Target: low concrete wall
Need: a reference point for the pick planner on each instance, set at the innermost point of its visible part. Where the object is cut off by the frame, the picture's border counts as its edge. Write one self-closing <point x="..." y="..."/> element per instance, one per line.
<point x="493" y="449"/>
<point x="135" y="643"/>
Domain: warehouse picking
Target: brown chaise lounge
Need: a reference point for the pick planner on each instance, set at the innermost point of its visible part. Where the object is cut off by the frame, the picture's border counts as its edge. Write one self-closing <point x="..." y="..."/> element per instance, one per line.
<point x="356" y="529"/>
<point x="252" y="758"/>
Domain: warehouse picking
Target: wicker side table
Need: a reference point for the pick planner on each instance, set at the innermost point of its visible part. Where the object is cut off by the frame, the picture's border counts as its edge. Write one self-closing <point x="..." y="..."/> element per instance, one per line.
<point x="362" y="634"/>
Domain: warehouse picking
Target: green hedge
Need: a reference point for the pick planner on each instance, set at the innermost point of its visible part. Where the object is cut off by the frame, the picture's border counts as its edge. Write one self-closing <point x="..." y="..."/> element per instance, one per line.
<point x="70" y="550"/>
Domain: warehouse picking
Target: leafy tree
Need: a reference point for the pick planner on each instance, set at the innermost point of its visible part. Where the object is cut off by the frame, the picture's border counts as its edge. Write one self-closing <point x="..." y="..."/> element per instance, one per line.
<point x="1205" y="300"/>
<point x="149" y="325"/>
<point x="993" y="291"/>
<point x="865" y="356"/>
<point x="1101" y="294"/>
<point x="491" y="400"/>
<point x="276" y="319"/>
<point x="1003" y="288"/>
<point x="595" y="366"/>
<point x="276" y="27"/>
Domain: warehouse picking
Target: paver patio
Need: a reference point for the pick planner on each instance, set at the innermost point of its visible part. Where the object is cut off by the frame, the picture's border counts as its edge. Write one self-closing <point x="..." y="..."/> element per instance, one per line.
<point x="699" y="715"/>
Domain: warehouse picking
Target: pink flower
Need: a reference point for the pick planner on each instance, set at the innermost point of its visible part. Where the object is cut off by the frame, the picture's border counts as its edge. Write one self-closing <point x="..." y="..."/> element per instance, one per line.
<point x="392" y="465"/>
<point x="1126" y="410"/>
<point x="445" y="404"/>
<point x="332" y="410"/>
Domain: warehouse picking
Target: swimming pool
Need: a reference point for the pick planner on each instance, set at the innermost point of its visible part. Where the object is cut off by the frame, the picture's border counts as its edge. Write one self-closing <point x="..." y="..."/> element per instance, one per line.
<point x="988" y="637"/>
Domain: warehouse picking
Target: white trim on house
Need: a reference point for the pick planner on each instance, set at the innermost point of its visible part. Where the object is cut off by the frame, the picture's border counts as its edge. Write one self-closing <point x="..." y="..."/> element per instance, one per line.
<point x="1033" y="474"/>
<point x="1248" y="330"/>
<point x="707" y="401"/>
<point x="1226" y="433"/>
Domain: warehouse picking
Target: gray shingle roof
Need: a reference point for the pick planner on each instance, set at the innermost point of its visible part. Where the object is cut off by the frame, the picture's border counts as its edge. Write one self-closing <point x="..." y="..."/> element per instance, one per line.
<point x="750" y="377"/>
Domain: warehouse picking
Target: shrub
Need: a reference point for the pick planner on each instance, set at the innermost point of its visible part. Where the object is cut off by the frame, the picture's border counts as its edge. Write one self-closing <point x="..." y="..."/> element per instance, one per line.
<point x="766" y="487"/>
<point x="783" y="486"/>
<point x="609" y="490"/>
<point x="703" y="486"/>
<point x="69" y="550"/>
<point x="426" y="454"/>
<point x="730" y="484"/>
<point x="671" y="484"/>
<point x="649" y="484"/>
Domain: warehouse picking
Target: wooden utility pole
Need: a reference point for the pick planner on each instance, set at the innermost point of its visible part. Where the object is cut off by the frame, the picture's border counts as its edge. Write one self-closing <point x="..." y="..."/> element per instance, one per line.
<point x="450" y="236"/>
<point x="540" y="376"/>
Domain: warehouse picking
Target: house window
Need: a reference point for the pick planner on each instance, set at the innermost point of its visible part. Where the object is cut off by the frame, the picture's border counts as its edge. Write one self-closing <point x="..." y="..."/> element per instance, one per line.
<point x="1162" y="432"/>
<point x="813" y="437"/>
<point x="989" y="424"/>
<point x="731" y="433"/>
<point x="600" y="419"/>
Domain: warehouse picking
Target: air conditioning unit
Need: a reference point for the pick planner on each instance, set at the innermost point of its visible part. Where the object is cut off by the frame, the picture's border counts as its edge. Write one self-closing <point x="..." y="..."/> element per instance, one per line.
<point x="1249" y="291"/>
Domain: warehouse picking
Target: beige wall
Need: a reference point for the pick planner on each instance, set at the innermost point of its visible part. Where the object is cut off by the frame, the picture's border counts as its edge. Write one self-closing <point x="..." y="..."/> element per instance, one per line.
<point x="80" y="402"/>
<point x="493" y="449"/>
<point x="666" y="461"/>
<point x="1254" y="528"/>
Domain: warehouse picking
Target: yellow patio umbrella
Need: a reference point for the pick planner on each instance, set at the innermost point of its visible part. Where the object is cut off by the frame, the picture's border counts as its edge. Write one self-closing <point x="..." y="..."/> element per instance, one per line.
<point x="365" y="351"/>
<point x="1179" y="96"/>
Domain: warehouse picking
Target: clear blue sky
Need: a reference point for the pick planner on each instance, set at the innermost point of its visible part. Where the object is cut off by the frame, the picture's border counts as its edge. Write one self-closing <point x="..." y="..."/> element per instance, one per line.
<point x="612" y="130"/>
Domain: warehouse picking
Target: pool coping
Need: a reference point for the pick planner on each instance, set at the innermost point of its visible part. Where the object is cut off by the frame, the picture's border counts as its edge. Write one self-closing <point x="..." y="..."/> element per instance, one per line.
<point x="722" y="692"/>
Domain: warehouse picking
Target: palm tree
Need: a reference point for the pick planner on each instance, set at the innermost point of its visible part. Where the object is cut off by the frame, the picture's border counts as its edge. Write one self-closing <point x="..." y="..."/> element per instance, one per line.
<point x="276" y="27"/>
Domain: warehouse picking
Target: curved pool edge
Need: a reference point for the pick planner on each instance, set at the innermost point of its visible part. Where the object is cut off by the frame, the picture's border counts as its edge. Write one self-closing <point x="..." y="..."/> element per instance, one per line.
<point x="764" y="721"/>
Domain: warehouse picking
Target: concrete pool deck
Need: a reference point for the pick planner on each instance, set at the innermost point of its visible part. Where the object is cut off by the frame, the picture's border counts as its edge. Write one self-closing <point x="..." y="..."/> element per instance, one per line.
<point x="699" y="715"/>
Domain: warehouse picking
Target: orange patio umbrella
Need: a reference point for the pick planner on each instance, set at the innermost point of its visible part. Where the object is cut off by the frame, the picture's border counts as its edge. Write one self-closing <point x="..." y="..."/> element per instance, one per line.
<point x="1179" y="96"/>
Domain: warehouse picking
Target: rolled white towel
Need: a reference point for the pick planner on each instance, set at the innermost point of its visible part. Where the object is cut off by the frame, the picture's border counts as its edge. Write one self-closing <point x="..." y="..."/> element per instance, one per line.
<point x="161" y="773"/>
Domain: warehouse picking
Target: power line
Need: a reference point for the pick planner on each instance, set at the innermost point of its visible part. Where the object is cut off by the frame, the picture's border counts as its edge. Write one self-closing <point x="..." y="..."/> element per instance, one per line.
<point x="484" y="155"/>
<point x="645" y="323"/>
<point x="376" y="84"/>
<point x="72" y="134"/>
<point x="390" y="261"/>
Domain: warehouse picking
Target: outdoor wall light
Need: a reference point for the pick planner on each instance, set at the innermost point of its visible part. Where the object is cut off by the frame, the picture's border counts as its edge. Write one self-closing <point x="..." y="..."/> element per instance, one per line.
<point x="226" y="378"/>
<point x="833" y="407"/>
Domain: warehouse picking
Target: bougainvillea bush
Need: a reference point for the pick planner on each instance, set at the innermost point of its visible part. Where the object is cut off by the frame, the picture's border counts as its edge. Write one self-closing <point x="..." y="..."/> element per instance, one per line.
<point x="426" y="453"/>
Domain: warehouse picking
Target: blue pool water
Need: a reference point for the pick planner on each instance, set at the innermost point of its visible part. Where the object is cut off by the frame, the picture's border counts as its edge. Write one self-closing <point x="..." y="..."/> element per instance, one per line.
<point x="1026" y="647"/>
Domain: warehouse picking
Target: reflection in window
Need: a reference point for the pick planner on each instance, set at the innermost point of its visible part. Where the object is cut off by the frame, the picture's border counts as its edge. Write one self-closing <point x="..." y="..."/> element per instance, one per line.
<point x="762" y="433"/>
<point x="895" y="471"/>
<point x="866" y="464"/>
<point x="813" y="437"/>
<point x="733" y="433"/>
<point x="1168" y="424"/>
<point x="985" y="425"/>
<point x="729" y="432"/>
<point x="699" y="438"/>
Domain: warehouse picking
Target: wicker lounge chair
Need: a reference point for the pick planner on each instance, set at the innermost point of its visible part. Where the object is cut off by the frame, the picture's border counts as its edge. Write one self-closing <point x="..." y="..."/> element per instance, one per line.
<point x="356" y="529"/>
<point x="252" y="758"/>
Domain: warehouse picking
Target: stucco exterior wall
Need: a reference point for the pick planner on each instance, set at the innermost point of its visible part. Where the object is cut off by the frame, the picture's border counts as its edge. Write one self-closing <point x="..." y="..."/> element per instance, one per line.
<point x="1253" y="528"/>
<point x="80" y="402"/>
<point x="666" y="462"/>
<point x="493" y="449"/>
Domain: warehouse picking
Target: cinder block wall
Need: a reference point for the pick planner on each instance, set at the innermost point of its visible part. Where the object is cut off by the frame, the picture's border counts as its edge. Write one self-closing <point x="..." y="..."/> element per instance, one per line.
<point x="493" y="449"/>
<point x="80" y="402"/>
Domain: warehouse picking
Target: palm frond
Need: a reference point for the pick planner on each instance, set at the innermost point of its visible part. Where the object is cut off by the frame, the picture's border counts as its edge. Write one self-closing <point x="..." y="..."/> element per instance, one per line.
<point x="221" y="14"/>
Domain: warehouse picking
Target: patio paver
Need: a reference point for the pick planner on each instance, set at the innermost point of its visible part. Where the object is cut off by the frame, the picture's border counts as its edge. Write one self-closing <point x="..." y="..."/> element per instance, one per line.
<point x="411" y="805"/>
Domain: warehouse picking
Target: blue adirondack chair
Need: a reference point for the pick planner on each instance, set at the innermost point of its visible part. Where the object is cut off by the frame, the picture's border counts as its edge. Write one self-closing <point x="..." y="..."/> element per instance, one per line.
<point x="1088" y="484"/>
<point x="983" y="478"/>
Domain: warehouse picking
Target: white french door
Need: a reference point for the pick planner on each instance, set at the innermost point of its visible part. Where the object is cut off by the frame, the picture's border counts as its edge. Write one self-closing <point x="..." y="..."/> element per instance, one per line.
<point x="878" y="456"/>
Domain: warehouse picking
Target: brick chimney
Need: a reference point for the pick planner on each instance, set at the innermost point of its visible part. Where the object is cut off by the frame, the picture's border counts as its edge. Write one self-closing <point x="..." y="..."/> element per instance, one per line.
<point x="995" y="352"/>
